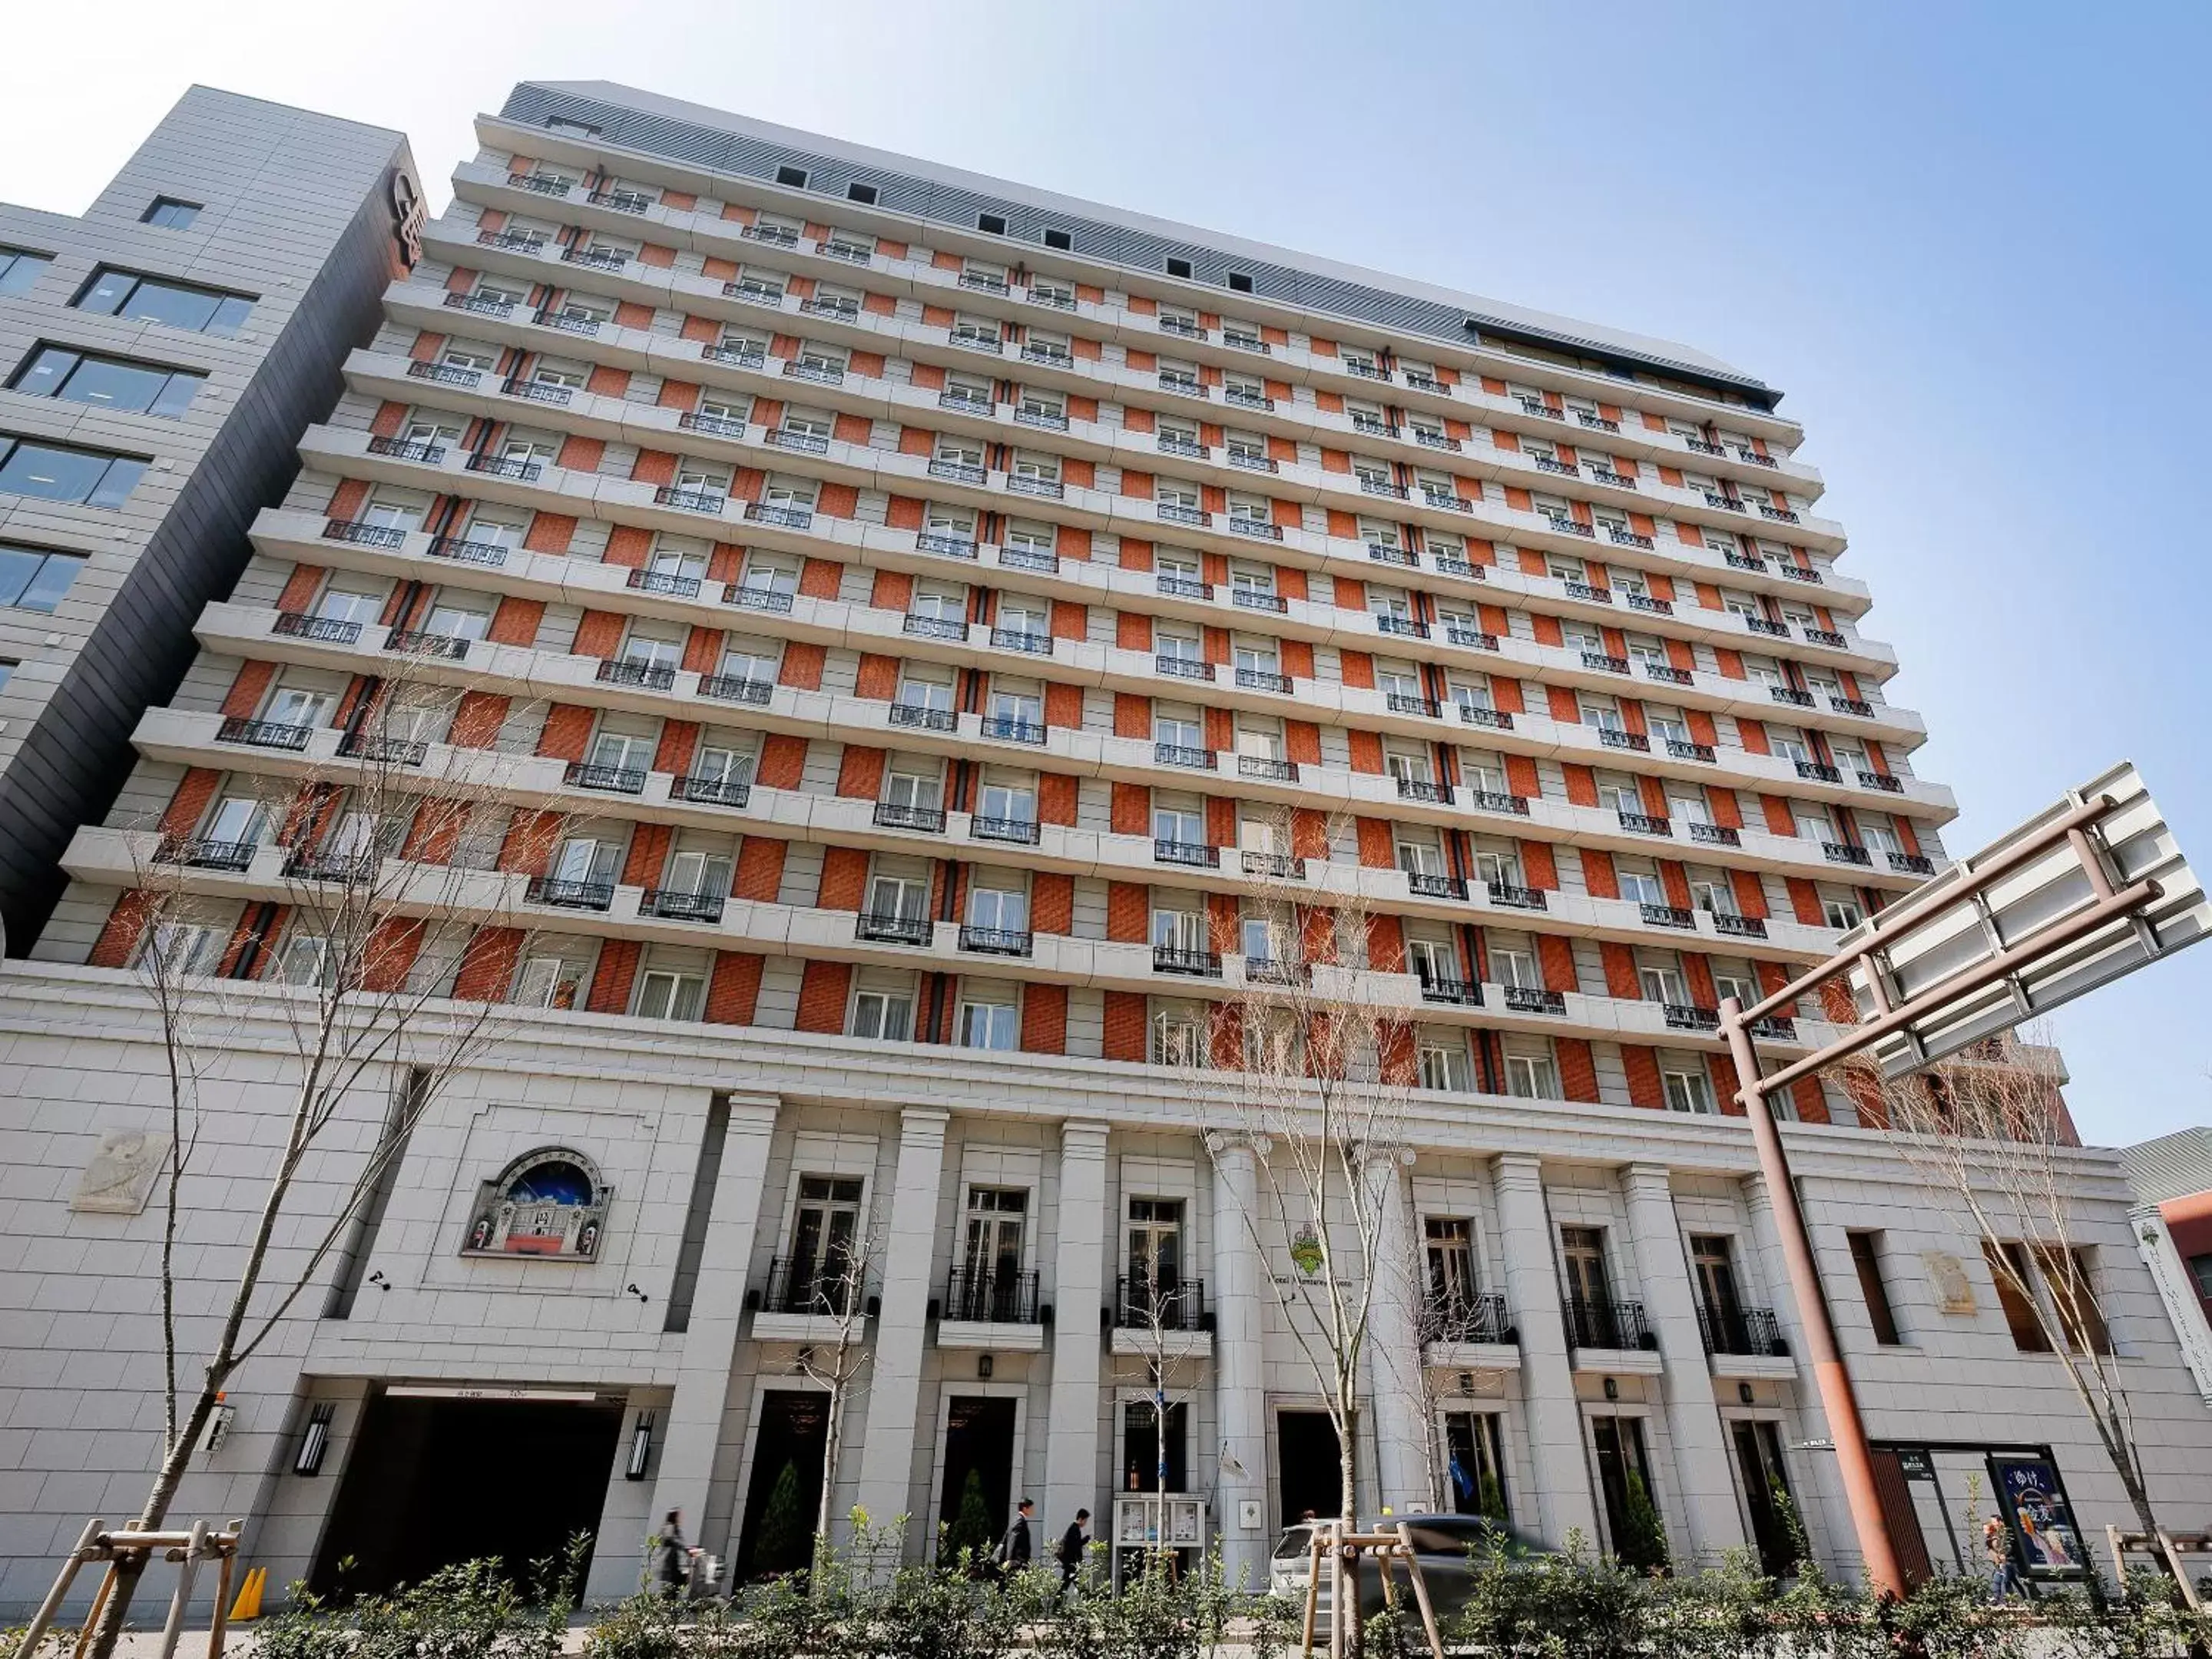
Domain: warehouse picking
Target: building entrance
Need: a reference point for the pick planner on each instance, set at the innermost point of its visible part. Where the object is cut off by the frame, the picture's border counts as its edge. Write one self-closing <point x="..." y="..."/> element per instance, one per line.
<point x="1306" y="1458"/>
<point x="786" y="1490"/>
<point x="434" y="1482"/>
<point x="975" y="1504"/>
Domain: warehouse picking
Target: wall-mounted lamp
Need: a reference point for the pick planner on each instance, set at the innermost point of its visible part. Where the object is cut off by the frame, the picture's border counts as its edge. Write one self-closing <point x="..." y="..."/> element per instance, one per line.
<point x="1743" y="1393"/>
<point x="1612" y="1390"/>
<point x="218" y="1425"/>
<point x="315" y="1441"/>
<point x="983" y="1367"/>
<point x="640" y="1448"/>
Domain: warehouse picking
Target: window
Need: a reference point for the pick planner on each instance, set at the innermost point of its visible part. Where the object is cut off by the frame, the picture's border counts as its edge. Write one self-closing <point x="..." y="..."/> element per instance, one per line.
<point x="988" y="1025"/>
<point x="998" y="1217"/>
<point x="1178" y="1036"/>
<point x="823" y="1233"/>
<point x="663" y="994"/>
<point x="19" y="270"/>
<point x="1582" y="1252"/>
<point x="1866" y="1259"/>
<point x="77" y="377"/>
<point x="1443" y="1061"/>
<point x="547" y="982"/>
<point x="1687" y="1089"/>
<point x="181" y="947"/>
<point x="32" y="578"/>
<point x="2015" y="1283"/>
<point x="2066" y="1280"/>
<point x="138" y="299"/>
<point x="1842" y="913"/>
<point x="170" y="213"/>
<point x="1531" y="1075"/>
<point x="883" y="1011"/>
<point x="2200" y="1269"/>
<point x="53" y="473"/>
<point x="7" y="672"/>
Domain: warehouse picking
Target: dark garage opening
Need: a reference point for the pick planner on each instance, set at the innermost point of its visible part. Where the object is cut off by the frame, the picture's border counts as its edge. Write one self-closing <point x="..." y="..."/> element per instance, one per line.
<point x="434" y="1482"/>
<point x="1306" y="1455"/>
<point x="786" y="1490"/>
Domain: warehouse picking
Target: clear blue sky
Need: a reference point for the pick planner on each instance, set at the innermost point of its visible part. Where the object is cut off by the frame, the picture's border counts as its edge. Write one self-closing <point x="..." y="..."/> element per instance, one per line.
<point x="1970" y="243"/>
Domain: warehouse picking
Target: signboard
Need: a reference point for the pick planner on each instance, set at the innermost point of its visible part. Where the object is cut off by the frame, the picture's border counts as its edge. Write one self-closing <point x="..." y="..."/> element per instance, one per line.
<point x="2031" y="1502"/>
<point x="1947" y="929"/>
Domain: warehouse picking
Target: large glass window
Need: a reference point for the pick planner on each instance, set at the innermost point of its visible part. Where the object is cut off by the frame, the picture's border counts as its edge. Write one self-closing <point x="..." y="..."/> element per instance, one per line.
<point x="57" y="474"/>
<point x="32" y="578"/>
<point x="78" y="376"/>
<point x="138" y="299"/>
<point x="19" y="270"/>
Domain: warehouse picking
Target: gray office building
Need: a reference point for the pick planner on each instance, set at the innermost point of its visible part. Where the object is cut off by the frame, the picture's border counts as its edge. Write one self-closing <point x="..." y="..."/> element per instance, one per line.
<point x="160" y="356"/>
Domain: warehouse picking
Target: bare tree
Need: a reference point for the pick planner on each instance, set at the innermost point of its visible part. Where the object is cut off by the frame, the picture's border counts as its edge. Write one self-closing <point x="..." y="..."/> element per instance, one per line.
<point x="1991" y="1125"/>
<point x="837" y="1289"/>
<point x="1314" y="1063"/>
<point x="371" y="850"/>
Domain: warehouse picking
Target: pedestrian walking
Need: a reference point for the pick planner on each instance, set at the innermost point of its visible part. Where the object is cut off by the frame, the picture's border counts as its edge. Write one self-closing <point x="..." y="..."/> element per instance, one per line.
<point x="1014" y="1549"/>
<point x="1998" y="1547"/>
<point x="675" y="1557"/>
<point x="1072" y="1543"/>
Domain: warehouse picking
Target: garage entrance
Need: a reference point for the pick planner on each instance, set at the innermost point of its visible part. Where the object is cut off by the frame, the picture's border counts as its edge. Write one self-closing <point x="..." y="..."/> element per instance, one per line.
<point x="432" y="1482"/>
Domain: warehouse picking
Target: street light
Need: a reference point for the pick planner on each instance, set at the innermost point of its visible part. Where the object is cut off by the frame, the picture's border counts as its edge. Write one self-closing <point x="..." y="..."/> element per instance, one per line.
<point x="2088" y="890"/>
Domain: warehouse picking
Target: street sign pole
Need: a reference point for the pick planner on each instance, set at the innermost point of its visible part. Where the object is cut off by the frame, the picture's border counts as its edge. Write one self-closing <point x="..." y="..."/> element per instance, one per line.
<point x="2087" y="891"/>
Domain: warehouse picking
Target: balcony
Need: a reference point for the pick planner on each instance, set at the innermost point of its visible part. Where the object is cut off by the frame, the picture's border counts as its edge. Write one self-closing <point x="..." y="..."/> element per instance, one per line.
<point x="1420" y="380"/>
<point x="1423" y="884"/>
<point x="1177" y="513"/>
<point x="489" y="555"/>
<point x="1191" y="854"/>
<point x="1383" y="553"/>
<point x="951" y="547"/>
<point x="372" y="750"/>
<point x="1568" y="526"/>
<point x="1452" y="993"/>
<point x="1496" y="719"/>
<point x="901" y="815"/>
<point x="1014" y="556"/>
<point x="325" y="630"/>
<point x="1241" y="524"/>
<point x="364" y="535"/>
<point x="1245" y="397"/>
<point x="1183" y="587"/>
<point x="607" y="780"/>
<point x="1010" y="639"/>
<point x="1585" y="592"/>
<point x="1846" y="853"/>
<point x="1404" y="702"/>
<point x="1404" y="626"/>
<point x="1267" y="768"/>
<point x="1365" y="370"/>
<point x="1144" y="1301"/>
<point x="1373" y="428"/>
<point x="1534" y="999"/>
<point x="570" y="322"/>
<point x="1273" y="970"/>
<point x="1177" y="959"/>
<point x="673" y="583"/>
<point x="1489" y="800"/>
<point x="985" y="1298"/>
<point x="1616" y="1325"/>
<point x="622" y="201"/>
<point x="774" y="235"/>
<point x="1690" y="1017"/>
<point x="1715" y="835"/>
<point x="201" y="852"/>
<point x="1791" y="696"/>
<point x="1373" y="485"/>
<point x="597" y="258"/>
<point x="481" y="305"/>
<point x="1596" y="422"/>
<point x="824" y="1290"/>
<point x="1429" y="440"/>
<point x="983" y="281"/>
<point x="1857" y="707"/>
<point x="1726" y="503"/>
<point x="736" y="688"/>
<point x="793" y="442"/>
<point x="785" y="517"/>
<point x="1744" y="562"/>
<point x="1012" y="728"/>
<point x="1467" y="1316"/>
<point x="444" y="373"/>
<point x="520" y="468"/>
<point x="961" y="403"/>
<point x="1022" y="832"/>
<point x="1252" y="461"/>
<point x="1182" y="385"/>
<point x="707" y="502"/>
<point x="1183" y="668"/>
<point x="838" y="310"/>
<point x="960" y="472"/>
<point x="1513" y="897"/>
<point x="1911" y="864"/>
<point x="738" y="356"/>
<point x="263" y="734"/>
<point x="1538" y="407"/>
<point x="558" y="893"/>
<point x="994" y="941"/>
<point x="770" y="601"/>
<point x="1777" y="1027"/>
<point x="754" y="294"/>
<point x="1423" y="789"/>
<point x="1779" y="514"/>
<point x="1749" y="1331"/>
<point x="892" y="929"/>
<point x="676" y="904"/>
<point x="1605" y="475"/>
<point x="1051" y="297"/>
<point x="421" y="642"/>
<point x="1605" y="663"/>
<point x="1451" y="564"/>
<point x="1546" y="463"/>
<point x="1176" y="754"/>
<point x="1667" y="915"/>
<point x="1172" y="443"/>
<point x="652" y="676"/>
<point x="1700" y="446"/>
<point x="710" y="791"/>
<point x="408" y="449"/>
<point x="923" y="717"/>
<point x="970" y="339"/>
<point x="1273" y="867"/>
<point x="1035" y="483"/>
<point x="1644" y="824"/>
<point x="1055" y="356"/>
<point x="1236" y="340"/>
<point x="1797" y="573"/>
<point x="1728" y="925"/>
<point x="1818" y="772"/>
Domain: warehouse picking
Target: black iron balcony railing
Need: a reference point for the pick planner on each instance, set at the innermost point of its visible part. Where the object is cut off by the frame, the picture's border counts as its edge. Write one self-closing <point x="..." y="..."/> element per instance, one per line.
<point x="205" y="853"/>
<point x="610" y="779"/>
<point x="1266" y="768"/>
<point x="736" y="688"/>
<point x="1177" y="666"/>
<point x="951" y="547"/>
<point x="824" y="1288"/>
<point x="677" y="905"/>
<point x="365" y="535"/>
<point x="1191" y="854"/>
<point x="1715" y="835"/>
<point x="1245" y="397"/>
<point x="904" y="815"/>
<point x="1683" y="749"/>
<point x="1012" y="728"/>
<point x="1587" y="592"/>
<point x="995" y="941"/>
<point x="1020" y="832"/>
<point x="653" y="676"/>
<point x="774" y="601"/>
<point x="329" y="630"/>
<point x="923" y="717"/>
<point x="263" y="734"/>
<point x="707" y="501"/>
<point x="953" y="471"/>
<point x="1729" y="925"/>
<point x="1263" y="679"/>
<point x="358" y="869"/>
<point x="1790" y="695"/>
<point x="1489" y="800"/>
<point x="520" y="468"/>
<point x="1779" y="1028"/>
<point x="1818" y="772"/>
<point x="785" y="517"/>
<point x="1604" y="662"/>
<point x="1172" y="1304"/>
<point x="375" y="750"/>
<point x="1690" y="1017"/>
<point x="1515" y="898"/>
<point x="1644" y="824"/>
<point x="1535" y="1000"/>
<point x="796" y="439"/>
<point x="925" y="627"/>
<point x="1773" y="630"/>
<point x="1241" y="524"/>
<point x="408" y="449"/>
<point x="1017" y="557"/>
<point x="1614" y="737"/>
<point x="1275" y="866"/>
<point x="1405" y="703"/>
<point x="1912" y="864"/>
<point x="1273" y="970"/>
<point x="1618" y="1325"/>
<point x="1183" y="587"/>
<point x="1423" y="789"/>
<point x="1797" y="573"/>
<point x="444" y="373"/>
<point x="484" y="305"/>
<point x="1474" y="713"/>
<point x="1020" y="638"/>
<point x="1422" y="884"/>
<point x="985" y="1297"/>
<point x="1753" y="1331"/>
<point x="1177" y="959"/>
<point x="1846" y="853"/>
<point x="1051" y="420"/>
<point x="1176" y="754"/>
<point x="1035" y="483"/>
<point x="891" y="929"/>
<point x="735" y="356"/>
<point x="622" y="201"/>
<point x="1405" y="626"/>
<point x="1459" y="993"/>
<point x="1743" y="561"/>
<point x="561" y="894"/>
<point x="1467" y="1316"/>
<point x="422" y="642"/>
<point x="1667" y="915"/>
<point x="713" y="791"/>
<point x="461" y="551"/>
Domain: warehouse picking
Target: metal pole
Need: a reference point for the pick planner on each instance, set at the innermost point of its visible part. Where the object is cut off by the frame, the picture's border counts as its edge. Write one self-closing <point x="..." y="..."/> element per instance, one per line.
<point x="1838" y="1399"/>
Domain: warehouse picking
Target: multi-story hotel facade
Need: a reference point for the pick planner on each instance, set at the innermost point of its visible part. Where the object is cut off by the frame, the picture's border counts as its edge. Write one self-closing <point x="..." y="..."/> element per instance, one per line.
<point x="896" y="621"/>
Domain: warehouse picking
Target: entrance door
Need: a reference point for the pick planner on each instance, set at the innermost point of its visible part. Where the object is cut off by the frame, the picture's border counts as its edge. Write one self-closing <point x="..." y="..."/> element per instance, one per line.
<point x="1474" y="1464"/>
<point x="976" y="1502"/>
<point x="1623" y="1476"/>
<point x="434" y="1482"/>
<point x="1766" y="1488"/>
<point x="1307" y="1452"/>
<point x="785" y="1492"/>
<point x="1896" y="1508"/>
<point x="1140" y="1448"/>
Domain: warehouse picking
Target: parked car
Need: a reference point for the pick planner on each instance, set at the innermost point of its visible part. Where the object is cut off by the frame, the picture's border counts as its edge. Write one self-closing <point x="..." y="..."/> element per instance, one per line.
<point x="1449" y="1548"/>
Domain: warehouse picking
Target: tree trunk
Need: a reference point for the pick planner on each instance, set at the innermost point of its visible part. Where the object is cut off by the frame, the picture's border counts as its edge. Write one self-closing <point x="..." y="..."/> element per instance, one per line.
<point x="117" y="1608"/>
<point x="829" y="1449"/>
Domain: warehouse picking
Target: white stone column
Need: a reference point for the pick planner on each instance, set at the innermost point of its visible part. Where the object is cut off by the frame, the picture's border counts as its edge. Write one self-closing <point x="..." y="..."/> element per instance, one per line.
<point x="1705" y="1488"/>
<point x="1240" y="1382"/>
<point x="1813" y="1475"/>
<point x="1393" y="1344"/>
<point x="691" y="1427"/>
<point x="908" y="1256"/>
<point x="1564" y="1502"/>
<point x="2176" y="1290"/>
<point x="1078" y="1290"/>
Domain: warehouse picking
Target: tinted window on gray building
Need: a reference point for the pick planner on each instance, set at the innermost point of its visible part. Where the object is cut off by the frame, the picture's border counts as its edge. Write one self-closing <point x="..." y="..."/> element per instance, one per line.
<point x="57" y="474"/>
<point x="126" y="295"/>
<point x="79" y="377"/>
<point x="19" y="269"/>
<point x="32" y="578"/>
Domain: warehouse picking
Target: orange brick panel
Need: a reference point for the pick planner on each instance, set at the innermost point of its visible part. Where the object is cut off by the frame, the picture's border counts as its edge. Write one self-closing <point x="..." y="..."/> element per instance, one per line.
<point x="1129" y="912"/>
<point x="734" y="991"/>
<point x="488" y="964"/>
<point x="759" y="875"/>
<point x="821" y="996"/>
<point x="782" y="762"/>
<point x="860" y="772"/>
<point x="1379" y="848"/>
<point x="1557" y="958"/>
<point x="118" y="935"/>
<point x="1599" y="875"/>
<point x="802" y="665"/>
<point x="248" y="689"/>
<point x="844" y="879"/>
<point x="1044" y="1019"/>
<point x="567" y="729"/>
<point x="1541" y="866"/>
<point x="1578" y="1069"/>
<point x="1644" y="1086"/>
<point x="1125" y="1026"/>
<point x="1056" y="796"/>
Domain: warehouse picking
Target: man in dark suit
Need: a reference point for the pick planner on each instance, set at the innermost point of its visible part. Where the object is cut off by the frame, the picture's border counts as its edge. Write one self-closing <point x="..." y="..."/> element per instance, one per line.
<point x="1014" y="1549"/>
